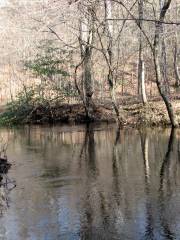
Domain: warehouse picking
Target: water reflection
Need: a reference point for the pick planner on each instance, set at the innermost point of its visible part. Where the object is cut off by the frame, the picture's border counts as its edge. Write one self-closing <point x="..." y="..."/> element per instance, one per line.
<point x="165" y="190"/>
<point x="6" y="185"/>
<point x="149" y="228"/>
<point x="93" y="182"/>
<point x="88" y="151"/>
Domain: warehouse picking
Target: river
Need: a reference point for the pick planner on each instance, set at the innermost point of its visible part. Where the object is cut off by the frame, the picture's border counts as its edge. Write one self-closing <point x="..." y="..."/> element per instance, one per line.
<point x="91" y="182"/>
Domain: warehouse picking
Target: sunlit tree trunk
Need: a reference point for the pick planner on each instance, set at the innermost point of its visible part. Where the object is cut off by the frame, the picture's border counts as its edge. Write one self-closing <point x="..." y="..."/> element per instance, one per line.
<point x="140" y="60"/>
<point x="143" y="86"/>
<point x="141" y="64"/>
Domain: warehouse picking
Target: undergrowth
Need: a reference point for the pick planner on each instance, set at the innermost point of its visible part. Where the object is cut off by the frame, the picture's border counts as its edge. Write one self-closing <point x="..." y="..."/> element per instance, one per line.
<point x="18" y="110"/>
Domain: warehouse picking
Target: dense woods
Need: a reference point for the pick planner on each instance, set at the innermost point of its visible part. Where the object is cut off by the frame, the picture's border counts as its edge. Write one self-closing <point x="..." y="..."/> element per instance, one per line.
<point x="88" y="60"/>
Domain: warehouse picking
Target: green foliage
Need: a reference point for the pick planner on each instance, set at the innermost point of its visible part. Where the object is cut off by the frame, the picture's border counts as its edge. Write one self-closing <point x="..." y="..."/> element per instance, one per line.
<point x="18" y="110"/>
<point x="21" y="109"/>
<point x="67" y="90"/>
<point x="50" y="66"/>
<point x="46" y="66"/>
<point x="50" y="61"/>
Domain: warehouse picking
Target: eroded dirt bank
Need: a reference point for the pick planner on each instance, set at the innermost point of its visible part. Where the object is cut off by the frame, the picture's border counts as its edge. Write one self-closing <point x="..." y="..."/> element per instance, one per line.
<point x="153" y="114"/>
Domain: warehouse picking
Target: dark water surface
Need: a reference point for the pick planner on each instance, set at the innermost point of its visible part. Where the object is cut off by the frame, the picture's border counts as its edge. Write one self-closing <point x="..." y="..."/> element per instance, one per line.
<point x="92" y="182"/>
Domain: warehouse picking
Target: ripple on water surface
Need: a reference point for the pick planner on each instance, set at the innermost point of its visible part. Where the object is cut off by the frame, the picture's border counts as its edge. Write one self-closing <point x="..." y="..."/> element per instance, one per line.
<point x="92" y="182"/>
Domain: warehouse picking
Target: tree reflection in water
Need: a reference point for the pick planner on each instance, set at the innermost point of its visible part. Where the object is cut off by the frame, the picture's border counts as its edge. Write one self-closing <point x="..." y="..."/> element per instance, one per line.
<point x="88" y="155"/>
<point x="111" y="183"/>
<point x="149" y="234"/>
<point x="165" y="191"/>
<point x="88" y="151"/>
<point x="167" y="175"/>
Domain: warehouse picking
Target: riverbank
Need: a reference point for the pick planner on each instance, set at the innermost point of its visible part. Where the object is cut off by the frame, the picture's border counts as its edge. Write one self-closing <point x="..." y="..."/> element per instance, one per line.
<point x="153" y="114"/>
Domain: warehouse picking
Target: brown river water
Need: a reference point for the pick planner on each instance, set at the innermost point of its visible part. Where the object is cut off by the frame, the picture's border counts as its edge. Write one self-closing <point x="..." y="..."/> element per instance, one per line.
<point x="91" y="182"/>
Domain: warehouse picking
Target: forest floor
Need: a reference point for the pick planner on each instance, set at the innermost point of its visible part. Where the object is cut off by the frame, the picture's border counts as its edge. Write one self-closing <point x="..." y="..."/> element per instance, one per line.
<point x="152" y="114"/>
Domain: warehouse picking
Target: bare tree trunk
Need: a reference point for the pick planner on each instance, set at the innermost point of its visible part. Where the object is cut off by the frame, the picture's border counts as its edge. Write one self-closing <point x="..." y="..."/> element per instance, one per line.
<point x="140" y="8"/>
<point x="141" y="66"/>
<point x="163" y="54"/>
<point x="164" y="63"/>
<point x="87" y="77"/>
<point x="162" y="91"/>
<point x="156" y="56"/>
<point x="176" y="68"/>
<point x="86" y="41"/>
<point x="109" y="29"/>
<point x="143" y="87"/>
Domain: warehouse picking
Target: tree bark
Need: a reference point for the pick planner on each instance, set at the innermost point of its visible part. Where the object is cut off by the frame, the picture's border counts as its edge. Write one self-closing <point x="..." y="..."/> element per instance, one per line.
<point x="140" y="9"/>
<point x="143" y="87"/>
<point x="163" y="63"/>
<point x="141" y="66"/>
<point x="162" y="90"/>
<point x="176" y="68"/>
<point x="156" y="57"/>
<point x="86" y="41"/>
<point x="87" y="79"/>
<point x="109" y="30"/>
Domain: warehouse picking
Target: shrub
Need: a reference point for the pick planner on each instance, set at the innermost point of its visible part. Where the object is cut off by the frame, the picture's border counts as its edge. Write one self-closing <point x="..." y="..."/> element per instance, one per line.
<point x="19" y="109"/>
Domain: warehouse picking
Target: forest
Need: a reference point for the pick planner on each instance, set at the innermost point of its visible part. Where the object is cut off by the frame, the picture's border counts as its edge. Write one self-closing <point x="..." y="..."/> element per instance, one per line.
<point x="89" y="119"/>
<point x="90" y="60"/>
